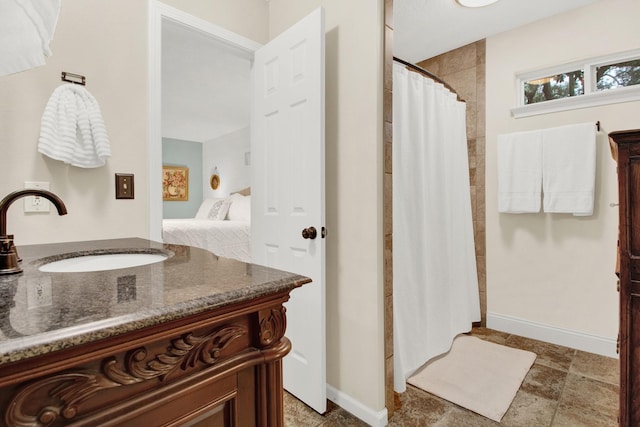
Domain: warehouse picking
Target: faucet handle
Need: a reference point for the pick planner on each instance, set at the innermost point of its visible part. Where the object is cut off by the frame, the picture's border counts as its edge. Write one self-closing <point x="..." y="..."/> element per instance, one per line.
<point x="8" y="256"/>
<point x="5" y="244"/>
<point x="13" y="244"/>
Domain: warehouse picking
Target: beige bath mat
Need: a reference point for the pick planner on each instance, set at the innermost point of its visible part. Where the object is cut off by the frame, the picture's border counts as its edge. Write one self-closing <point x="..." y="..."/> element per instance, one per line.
<point x="481" y="376"/>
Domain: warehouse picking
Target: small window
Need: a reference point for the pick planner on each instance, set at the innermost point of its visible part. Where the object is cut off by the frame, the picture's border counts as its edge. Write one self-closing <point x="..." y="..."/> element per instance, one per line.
<point x="617" y="75"/>
<point x="592" y="82"/>
<point x="554" y="87"/>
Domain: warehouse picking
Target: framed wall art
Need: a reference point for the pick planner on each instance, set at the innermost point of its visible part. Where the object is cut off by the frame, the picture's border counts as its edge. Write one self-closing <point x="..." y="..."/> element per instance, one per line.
<point x="175" y="183"/>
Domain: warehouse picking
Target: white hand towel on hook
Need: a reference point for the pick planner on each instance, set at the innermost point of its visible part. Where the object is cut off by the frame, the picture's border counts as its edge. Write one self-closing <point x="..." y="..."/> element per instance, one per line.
<point x="519" y="172"/>
<point x="569" y="169"/>
<point x="72" y="129"/>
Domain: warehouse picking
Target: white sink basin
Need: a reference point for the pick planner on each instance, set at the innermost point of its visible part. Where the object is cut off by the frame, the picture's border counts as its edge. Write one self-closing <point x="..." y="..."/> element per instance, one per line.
<point x="101" y="262"/>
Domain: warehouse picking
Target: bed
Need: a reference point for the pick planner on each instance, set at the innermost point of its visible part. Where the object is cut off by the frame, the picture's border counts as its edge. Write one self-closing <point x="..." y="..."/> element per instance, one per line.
<point x="221" y="226"/>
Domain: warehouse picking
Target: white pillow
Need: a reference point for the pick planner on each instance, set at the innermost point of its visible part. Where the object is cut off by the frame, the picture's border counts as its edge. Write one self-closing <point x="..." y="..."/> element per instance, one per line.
<point x="215" y="209"/>
<point x="240" y="209"/>
<point x="205" y="207"/>
<point x="219" y="210"/>
<point x="232" y="198"/>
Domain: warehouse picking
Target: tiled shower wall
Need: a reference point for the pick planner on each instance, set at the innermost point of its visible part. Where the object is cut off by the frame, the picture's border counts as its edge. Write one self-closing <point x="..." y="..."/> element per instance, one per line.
<point x="388" y="207"/>
<point x="464" y="70"/>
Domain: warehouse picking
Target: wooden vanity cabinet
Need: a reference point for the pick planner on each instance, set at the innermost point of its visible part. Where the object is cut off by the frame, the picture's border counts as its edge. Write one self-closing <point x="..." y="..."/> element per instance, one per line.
<point x="625" y="147"/>
<point x="216" y="368"/>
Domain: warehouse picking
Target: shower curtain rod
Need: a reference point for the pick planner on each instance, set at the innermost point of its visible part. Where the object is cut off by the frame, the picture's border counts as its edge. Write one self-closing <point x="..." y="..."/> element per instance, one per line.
<point x="428" y="74"/>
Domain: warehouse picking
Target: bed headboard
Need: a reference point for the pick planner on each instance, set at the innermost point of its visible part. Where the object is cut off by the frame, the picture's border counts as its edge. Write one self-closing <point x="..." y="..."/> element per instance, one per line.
<point x="244" y="191"/>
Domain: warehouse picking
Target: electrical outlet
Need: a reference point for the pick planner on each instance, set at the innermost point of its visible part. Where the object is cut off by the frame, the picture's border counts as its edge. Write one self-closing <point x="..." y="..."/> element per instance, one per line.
<point x="36" y="203"/>
<point x="39" y="292"/>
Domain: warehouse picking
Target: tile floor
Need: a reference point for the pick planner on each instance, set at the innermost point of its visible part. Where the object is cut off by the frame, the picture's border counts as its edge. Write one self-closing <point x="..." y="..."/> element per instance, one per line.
<point x="564" y="388"/>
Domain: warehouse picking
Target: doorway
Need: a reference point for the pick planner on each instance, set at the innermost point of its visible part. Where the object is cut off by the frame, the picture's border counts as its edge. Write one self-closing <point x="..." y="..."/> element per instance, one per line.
<point x="192" y="114"/>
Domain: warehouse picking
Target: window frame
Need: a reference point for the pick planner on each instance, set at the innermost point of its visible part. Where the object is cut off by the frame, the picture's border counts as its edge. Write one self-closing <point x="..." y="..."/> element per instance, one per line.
<point x="591" y="96"/>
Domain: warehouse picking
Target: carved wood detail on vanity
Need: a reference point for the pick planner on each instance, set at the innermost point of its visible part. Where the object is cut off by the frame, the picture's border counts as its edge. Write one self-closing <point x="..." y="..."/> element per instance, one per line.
<point x="184" y="352"/>
<point x="273" y="323"/>
<point x="227" y="371"/>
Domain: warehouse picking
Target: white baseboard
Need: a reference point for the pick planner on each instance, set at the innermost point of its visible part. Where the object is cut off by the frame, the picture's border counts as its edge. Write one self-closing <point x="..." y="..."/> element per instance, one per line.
<point x="565" y="337"/>
<point x="356" y="408"/>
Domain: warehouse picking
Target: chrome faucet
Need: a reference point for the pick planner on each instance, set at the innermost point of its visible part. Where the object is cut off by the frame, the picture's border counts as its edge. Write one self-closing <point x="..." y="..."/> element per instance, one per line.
<point x="8" y="254"/>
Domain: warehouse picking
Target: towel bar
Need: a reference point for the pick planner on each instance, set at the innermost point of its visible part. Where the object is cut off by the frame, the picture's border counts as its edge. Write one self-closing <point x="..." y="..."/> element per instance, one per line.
<point x="69" y="77"/>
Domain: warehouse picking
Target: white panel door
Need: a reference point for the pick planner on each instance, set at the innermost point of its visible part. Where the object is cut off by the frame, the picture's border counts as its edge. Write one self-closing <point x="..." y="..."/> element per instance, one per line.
<point x="287" y="151"/>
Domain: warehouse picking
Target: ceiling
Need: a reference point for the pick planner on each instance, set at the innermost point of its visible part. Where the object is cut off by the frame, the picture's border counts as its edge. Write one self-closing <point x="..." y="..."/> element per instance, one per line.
<point x="423" y="29"/>
<point x="205" y="84"/>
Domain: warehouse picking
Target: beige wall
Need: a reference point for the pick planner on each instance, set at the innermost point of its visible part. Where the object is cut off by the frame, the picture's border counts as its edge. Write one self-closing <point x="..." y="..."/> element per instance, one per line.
<point x="556" y="269"/>
<point x="96" y="39"/>
<point x="355" y="360"/>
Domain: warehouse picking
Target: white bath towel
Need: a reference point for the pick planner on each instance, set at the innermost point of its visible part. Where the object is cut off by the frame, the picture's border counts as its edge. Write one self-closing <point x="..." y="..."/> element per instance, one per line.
<point x="72" y="129"/>
<point x="569" y="168"/>
<point x="519" y="172"/>
<point x="26" y="29"/>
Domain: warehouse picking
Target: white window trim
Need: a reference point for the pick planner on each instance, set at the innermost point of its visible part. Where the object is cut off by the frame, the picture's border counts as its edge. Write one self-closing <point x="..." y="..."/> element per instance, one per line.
<point x="590" y="98"/>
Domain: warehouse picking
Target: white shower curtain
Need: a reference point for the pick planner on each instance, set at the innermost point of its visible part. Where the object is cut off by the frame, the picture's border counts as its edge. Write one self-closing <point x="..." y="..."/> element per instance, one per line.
<point x="435" y="284"/>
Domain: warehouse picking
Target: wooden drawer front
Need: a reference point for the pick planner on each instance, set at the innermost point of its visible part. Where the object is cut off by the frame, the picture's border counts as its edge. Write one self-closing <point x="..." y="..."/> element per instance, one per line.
<point x="207" y="401"/>
<point x="213" y="403"/>
<point x="633" y="206"/>
<point x="633" y="363"/>
<point x="633" y="288"/>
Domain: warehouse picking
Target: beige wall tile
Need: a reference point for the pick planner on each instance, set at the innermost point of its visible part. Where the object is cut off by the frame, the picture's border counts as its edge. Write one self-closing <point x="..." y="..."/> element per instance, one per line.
<point x="458" y="59"/>
<point x="464" y="82"/>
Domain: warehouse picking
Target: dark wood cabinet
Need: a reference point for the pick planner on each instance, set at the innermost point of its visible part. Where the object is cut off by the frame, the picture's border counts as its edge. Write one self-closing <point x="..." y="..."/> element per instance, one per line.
<point x="625" y="146"/>
<point x="217" y="368"/>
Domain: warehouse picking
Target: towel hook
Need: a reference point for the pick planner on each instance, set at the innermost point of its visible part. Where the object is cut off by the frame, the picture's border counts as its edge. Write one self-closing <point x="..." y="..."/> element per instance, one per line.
<point x="73" y="78"/>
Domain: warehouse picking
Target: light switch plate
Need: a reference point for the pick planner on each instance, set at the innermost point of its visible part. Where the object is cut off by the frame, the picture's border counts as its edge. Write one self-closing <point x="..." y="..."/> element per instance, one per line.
<point x="124" y="186"/>
<point x="36" y="203"/>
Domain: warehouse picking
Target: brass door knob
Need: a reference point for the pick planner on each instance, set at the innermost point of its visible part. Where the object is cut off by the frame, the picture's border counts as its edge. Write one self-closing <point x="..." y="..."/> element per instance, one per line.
<point x="309" y="233"/>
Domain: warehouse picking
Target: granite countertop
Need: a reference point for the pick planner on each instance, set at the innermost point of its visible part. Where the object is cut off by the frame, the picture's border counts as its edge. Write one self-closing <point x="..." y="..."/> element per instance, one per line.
<point x="45" y="312"/>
